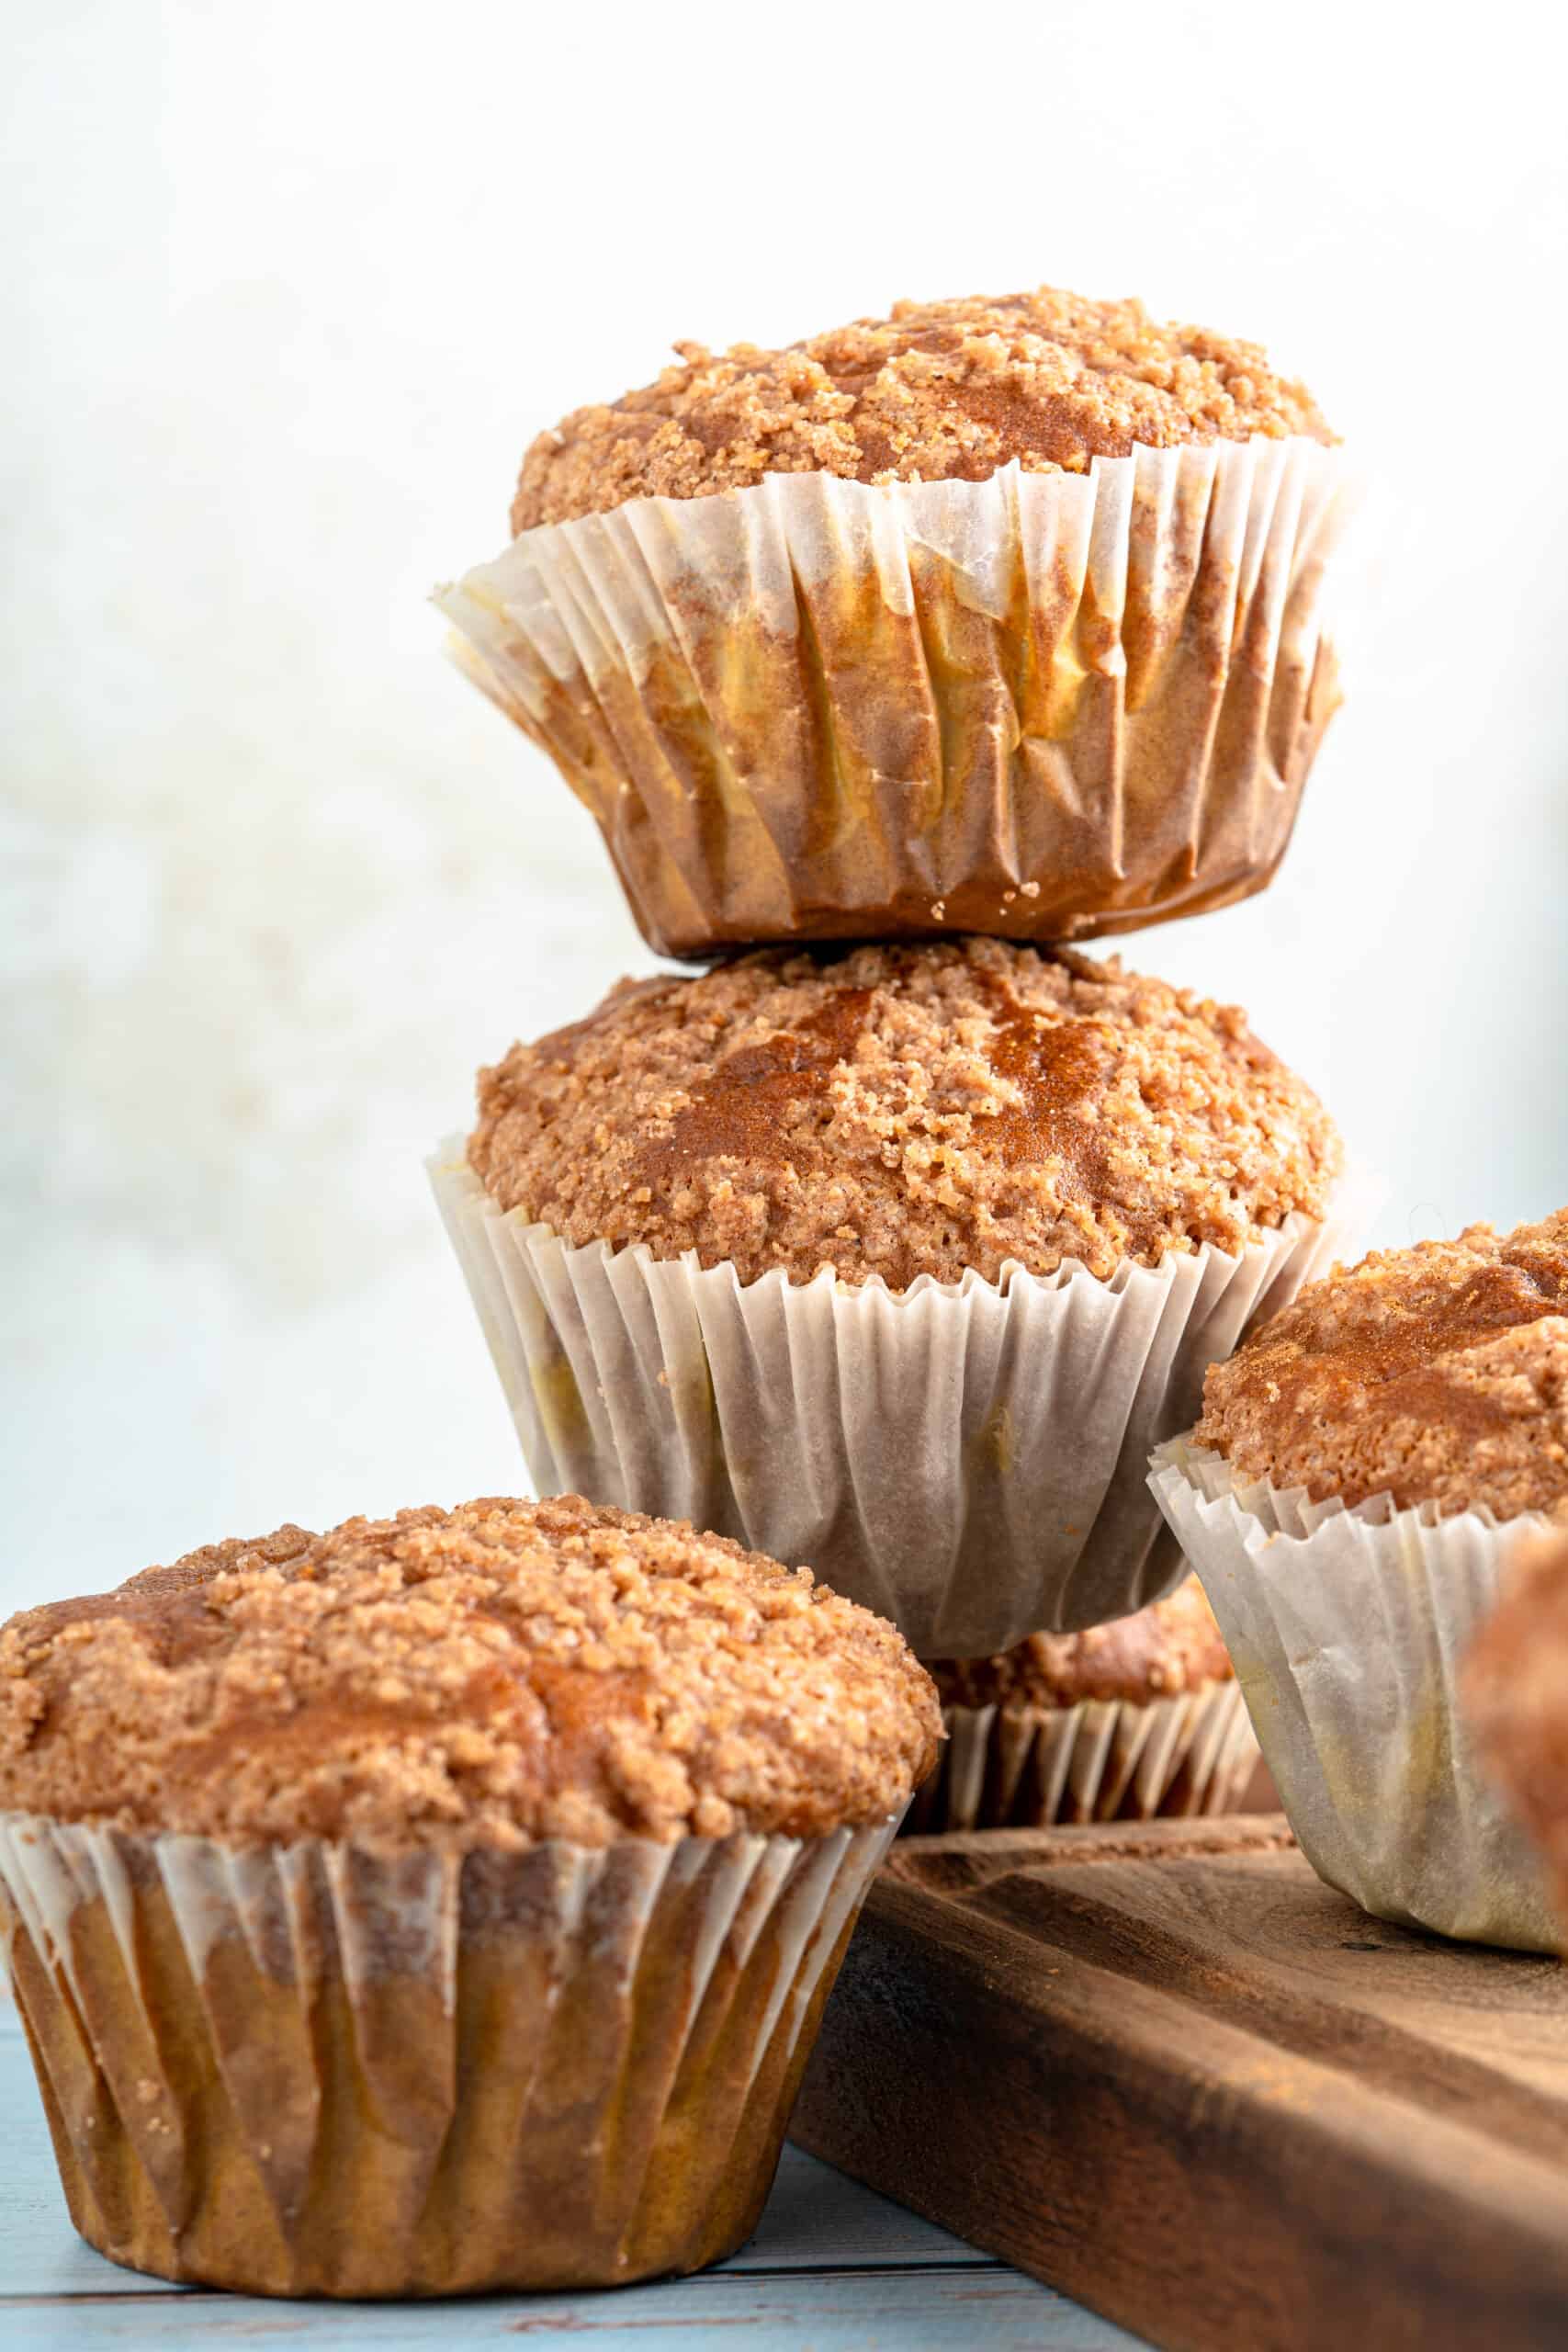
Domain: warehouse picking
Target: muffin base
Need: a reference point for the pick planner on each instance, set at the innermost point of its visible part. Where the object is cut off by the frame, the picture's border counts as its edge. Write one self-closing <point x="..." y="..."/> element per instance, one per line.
<point x="315" y="2070"/>
<point x="1103" y="1759"/>
<point x="1346" y="1630"/>
<point x="969" y="1459"/>
<point x="1041" y="706"/>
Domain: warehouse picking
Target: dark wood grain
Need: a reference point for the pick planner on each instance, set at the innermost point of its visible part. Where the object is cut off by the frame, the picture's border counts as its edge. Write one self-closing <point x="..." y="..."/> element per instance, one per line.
<point x="1169" y="2071"/>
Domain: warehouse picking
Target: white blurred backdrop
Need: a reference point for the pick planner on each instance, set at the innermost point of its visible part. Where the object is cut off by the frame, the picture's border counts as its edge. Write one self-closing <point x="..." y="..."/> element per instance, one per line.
<point x="287" y="289"/>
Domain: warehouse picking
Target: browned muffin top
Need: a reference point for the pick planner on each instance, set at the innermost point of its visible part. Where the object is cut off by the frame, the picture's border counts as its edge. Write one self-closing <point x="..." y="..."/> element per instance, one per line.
<point x="1516" y="1692"/>
<point x="939" y="391"/>
<point x="1162" y="1652"/>
<point x="489" y="1676"/>
<point x="905" y="1110"/>
<point x="1433" y="1374"/>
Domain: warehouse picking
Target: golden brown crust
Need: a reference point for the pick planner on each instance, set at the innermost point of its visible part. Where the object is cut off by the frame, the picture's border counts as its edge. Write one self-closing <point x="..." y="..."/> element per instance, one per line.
<point x="938" y="391"/>
<point x="1516" y="1694"/>
<point x="1434" y="1374"/>
<point x="1162" y="1652"/>
<point x="897" y="1111"/>
<point x="484" y="1676"/>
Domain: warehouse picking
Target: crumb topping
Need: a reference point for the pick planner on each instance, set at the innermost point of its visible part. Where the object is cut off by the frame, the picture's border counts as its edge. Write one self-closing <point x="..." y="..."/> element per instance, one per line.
<point x="938" y="391"/>
<point x="897" y="1111"/>
<point x="1161" y="1652"/>
<point x="1434" y="1374"/>
<point x="489" y="1676"/>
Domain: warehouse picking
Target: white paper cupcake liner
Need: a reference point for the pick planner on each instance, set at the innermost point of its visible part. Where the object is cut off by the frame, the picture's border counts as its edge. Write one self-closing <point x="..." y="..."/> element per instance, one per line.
<point x="317" y="2070"/>
<point x="1103" y="1759"/>
<point x="1043" y="705"/>
<point x="1346" y="1630"/>
<point x="969" y="1459"/>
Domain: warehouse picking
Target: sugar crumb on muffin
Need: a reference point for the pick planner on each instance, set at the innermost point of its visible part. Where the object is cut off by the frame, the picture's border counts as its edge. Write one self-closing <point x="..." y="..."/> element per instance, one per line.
<point x="1435" y="1374"/>
<point x="897" y="1111"/>
<point x="936" y="391"/>
<point x="488" y="1676"/>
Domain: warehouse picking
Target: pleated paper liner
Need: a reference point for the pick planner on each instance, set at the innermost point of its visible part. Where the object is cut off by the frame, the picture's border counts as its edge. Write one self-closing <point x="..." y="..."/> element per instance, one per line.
<point x="311" y="2070"/>
<point x="1346" y="1630"/>
<point x="1103" y="1759"/>
<point x="969" y="1459"/>
<point x="1041" y="706"/>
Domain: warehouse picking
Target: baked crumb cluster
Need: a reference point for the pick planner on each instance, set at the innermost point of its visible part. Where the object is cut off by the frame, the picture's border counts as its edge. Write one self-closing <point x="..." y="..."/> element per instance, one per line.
<point x="488" y="1676"/>
<point x="1433" y="1374"/>
<point x="938" y="391"/>
<point x="1162" y="1652"/>
<point x="897" y="1111"/>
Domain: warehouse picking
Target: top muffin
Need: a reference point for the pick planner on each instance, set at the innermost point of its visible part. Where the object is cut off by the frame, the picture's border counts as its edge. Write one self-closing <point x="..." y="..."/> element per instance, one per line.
<point x="484" y="1676"/>
<point x="1436" y="1375"/>
<point x="938" y="391"/>
<point x="899" y="1111"/>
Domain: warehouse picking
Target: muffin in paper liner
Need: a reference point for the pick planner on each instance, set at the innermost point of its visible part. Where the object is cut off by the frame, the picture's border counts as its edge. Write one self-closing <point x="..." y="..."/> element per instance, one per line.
<point x="1348" y="1628"/>
<point x="318" y="2070"/>
<point x="969" y="1459"/>
<point x="1044" y="705"/>
<point x="1104" y="1760"/>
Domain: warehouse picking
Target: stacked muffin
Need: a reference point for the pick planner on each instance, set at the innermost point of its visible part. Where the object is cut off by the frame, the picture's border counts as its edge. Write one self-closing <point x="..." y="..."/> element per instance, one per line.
<point x="893" y="1243"/>
<point x="994" y="616"/>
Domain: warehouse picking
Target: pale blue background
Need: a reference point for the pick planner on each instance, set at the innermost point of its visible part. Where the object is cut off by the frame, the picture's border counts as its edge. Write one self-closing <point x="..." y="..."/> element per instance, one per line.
<point x="287" y="290"/>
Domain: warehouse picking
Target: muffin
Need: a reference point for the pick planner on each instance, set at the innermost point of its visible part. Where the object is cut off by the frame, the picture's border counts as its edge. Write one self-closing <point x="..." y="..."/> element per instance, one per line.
<point x="895" y="1260"/>
<point x="1359" y="1472"/>
<point x="442" y="1903"/>
<point x="997" y="614"/>
<point x="1516" y="1694"/>
<point x="1124" y="1722"/>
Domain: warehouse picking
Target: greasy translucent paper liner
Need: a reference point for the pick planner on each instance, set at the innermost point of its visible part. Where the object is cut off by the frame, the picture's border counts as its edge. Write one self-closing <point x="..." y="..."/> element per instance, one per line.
<point x="1044" y="705"/>
<point x="967" y="1458"/>
<point x="1346" y="1630"/>
<point x="313" y="2070"/>
<point x="1104" y="1760"/>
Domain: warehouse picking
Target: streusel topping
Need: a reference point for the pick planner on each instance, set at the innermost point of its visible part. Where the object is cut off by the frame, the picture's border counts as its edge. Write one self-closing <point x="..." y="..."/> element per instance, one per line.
<point x="1434" y="1374"/>
<point x="1161" y="1652"/>
<point x="489" y="1676"/>
<point x="897" y="1111"/>
<point x="938" y="391"/>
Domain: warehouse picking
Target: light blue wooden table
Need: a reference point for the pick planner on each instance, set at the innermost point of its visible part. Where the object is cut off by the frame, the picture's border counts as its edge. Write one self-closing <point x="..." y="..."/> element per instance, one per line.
<point x="832" y="2268"/>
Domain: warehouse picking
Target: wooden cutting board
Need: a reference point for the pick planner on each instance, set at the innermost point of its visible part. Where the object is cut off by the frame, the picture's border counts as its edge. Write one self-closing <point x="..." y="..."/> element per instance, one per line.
<point x="1168" y="2070"/>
